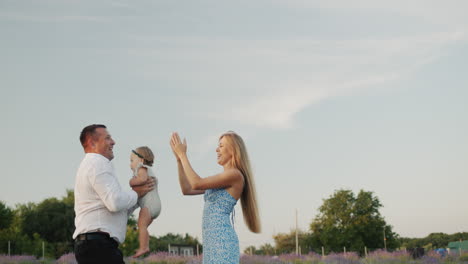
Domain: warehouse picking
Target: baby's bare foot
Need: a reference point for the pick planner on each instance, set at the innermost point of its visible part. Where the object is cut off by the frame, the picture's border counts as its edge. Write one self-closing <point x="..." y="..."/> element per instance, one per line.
<point x="141" y="252"/>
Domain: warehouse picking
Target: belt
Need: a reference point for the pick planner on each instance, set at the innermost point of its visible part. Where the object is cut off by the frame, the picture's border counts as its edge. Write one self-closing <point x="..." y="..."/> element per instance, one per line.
<point x="92" y="236"/>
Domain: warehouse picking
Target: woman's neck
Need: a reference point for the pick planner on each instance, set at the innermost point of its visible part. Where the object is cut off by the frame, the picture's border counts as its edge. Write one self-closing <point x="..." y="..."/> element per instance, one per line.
<point x="228" y="166"/>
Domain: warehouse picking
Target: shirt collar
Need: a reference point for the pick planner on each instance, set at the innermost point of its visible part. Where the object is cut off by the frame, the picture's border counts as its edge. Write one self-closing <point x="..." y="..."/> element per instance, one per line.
<point x="97" y="155"/>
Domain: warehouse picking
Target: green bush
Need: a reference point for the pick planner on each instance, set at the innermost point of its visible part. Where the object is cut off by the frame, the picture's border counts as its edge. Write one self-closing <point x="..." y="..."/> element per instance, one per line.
<point x="463" y="257"/>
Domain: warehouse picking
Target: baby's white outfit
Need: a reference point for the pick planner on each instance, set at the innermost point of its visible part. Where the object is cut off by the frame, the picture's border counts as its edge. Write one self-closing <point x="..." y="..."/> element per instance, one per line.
<point x="151" y="200"/>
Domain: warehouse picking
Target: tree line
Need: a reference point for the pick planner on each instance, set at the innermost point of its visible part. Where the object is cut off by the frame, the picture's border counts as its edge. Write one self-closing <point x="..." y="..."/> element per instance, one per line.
<point x="433" y="240"/>
<point x="353" y="223"/>
<point x="27" y="227"/>
<point x="344" y="220"/>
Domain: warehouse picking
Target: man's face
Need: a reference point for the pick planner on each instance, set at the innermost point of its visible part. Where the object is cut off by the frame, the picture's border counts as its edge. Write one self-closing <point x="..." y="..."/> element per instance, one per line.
<point x="104" y="143"/>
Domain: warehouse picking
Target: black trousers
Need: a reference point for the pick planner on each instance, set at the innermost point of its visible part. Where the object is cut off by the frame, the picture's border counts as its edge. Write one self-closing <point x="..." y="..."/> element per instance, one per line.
<point x="98" y="251"/>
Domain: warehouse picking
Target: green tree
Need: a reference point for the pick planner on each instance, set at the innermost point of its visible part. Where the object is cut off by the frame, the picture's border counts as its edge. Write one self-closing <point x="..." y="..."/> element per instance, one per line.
<point x="250" y="250"/>
<point x="267" y="249"/>
<point x="51" y="220"/>
<point x="156" y="244"/>
<point x="354" y="222"/>
<point x="286" y="242"/>
<point x="433" y="240"/>
<point x="6" y="216"/>
<point x="161" y="243"/>
<point x="21" y="244"/>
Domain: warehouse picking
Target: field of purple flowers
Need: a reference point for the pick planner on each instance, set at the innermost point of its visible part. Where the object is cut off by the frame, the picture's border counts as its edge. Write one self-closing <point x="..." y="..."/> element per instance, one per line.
<point x="377" y="257"/>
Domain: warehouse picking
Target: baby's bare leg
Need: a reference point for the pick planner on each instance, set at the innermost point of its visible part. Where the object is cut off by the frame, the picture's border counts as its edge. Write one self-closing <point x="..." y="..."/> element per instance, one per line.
<point x="144" y="220"/>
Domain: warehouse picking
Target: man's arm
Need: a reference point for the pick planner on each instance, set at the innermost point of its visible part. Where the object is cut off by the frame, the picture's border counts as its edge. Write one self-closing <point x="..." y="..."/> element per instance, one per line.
<point x="143" y="189"/>
<point x="108" y="188"/>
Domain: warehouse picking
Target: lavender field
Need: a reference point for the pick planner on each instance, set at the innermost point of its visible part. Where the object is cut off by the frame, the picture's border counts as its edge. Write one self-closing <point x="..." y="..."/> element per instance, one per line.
<point x="377" y="257"/>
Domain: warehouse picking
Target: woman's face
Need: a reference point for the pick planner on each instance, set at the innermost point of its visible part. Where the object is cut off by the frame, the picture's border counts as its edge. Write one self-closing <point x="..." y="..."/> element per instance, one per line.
<point x="134" y="161"/>
<point x="224" y="152"/>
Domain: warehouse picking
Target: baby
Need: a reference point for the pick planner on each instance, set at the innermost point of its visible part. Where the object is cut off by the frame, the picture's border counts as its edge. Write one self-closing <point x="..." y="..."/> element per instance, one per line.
<point x="141" y="160"/>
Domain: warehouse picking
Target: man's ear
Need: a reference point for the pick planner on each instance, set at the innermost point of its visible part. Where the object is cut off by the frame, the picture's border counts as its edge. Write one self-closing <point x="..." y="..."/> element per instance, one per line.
<point x="90" y="142"/>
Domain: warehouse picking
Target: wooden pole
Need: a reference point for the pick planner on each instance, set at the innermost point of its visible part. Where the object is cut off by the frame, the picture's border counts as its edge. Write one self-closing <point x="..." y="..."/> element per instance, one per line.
<point x="9" y="247"/>
<point x="43" y="250"/>
<point x="459" y="247"/>
<point x="297" y="238"/>
<point x="365" y="251"/>
<point x="384" y="239"/>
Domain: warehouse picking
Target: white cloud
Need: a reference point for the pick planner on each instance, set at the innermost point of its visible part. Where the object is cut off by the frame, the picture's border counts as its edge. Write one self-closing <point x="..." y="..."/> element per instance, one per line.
<point x="344" y="67"/>
<point x="269" y="81"/>
<point x="51" y="18"/>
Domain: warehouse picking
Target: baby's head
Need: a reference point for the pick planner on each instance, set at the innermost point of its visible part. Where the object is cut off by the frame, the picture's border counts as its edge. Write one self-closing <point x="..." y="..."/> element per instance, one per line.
<point x="141" y="155"/>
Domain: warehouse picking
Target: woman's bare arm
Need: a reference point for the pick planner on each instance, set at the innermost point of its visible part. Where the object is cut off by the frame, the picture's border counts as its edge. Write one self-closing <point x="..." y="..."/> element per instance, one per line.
<point x="184" y="183"/>
<point x="190" y="181"/>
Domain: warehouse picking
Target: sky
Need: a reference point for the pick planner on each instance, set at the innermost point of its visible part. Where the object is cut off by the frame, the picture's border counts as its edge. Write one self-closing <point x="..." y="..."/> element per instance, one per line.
<point x="327" y="95"/>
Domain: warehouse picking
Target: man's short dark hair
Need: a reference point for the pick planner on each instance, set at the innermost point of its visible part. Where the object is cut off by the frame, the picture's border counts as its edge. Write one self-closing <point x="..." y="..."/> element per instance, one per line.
<point x="89" y="131"/>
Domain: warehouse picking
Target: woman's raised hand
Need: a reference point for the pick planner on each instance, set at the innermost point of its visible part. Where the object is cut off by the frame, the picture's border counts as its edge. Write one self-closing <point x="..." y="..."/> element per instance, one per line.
<point x="178" y="147"/>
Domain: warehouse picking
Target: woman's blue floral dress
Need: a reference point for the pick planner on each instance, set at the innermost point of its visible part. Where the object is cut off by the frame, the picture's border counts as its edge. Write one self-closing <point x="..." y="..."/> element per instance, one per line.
<point x="220" y="242"/>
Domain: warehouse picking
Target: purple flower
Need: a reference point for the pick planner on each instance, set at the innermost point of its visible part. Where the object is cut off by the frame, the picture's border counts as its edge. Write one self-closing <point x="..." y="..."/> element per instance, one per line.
<point x="386" y="257"/>
<point x="258" y="259"/>
<point x="67" y="259"/>
<point x="18" y="259"/>
<point x="164" y="257"/>
<point x="342" y="258"/>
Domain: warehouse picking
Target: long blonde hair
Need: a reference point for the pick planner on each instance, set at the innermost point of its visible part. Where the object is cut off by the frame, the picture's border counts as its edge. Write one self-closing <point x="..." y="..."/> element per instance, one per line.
<point x="240" y="160"/>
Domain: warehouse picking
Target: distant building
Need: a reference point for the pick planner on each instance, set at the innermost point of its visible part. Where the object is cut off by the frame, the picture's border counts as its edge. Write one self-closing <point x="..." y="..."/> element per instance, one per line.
<point x="182" y="250"/>
<point x="458" y="245"/>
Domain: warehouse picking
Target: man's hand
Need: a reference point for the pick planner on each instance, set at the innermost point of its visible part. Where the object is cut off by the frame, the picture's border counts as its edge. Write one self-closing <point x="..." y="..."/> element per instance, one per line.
<point x="141" y="190"/>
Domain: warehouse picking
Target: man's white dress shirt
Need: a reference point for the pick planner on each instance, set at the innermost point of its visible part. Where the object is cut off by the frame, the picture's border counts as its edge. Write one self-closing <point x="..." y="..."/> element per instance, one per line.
<point x="100" y="203"/>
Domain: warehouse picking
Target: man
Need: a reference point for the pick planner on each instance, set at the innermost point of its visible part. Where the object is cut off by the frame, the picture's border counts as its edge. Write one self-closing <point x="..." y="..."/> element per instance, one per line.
<point x="101" y="206"/>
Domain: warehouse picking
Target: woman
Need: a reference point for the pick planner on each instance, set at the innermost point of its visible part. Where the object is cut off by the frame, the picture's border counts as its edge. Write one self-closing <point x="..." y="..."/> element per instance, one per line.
<point x="221" y="192"/>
